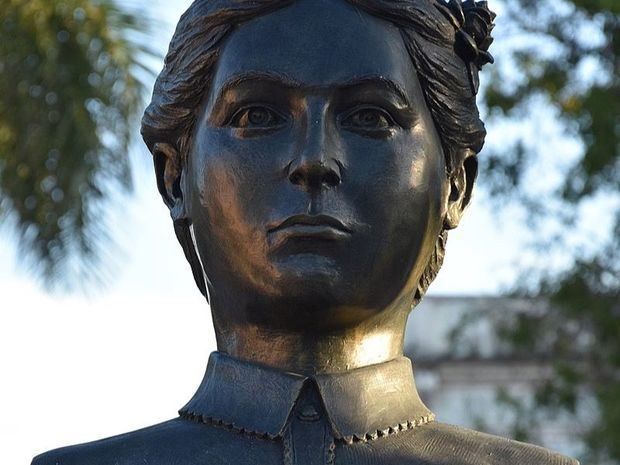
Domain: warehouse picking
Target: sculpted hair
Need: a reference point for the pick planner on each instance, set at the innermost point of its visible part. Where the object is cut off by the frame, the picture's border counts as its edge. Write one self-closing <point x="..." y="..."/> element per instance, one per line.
<point x="433" y="33"/>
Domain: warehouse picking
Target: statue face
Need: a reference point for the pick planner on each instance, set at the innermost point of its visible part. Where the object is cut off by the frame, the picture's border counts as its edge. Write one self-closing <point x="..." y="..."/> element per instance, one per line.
<point x="316" y="182"/>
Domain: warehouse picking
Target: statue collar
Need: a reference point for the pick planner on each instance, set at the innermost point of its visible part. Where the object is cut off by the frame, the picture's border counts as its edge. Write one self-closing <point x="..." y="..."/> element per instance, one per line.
<point x="360" y="405"/>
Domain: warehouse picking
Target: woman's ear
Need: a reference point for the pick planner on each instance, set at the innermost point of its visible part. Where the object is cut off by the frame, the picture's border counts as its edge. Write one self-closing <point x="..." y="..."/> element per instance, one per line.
<point x="461" y="188"/>
<point x="168" y="172"/>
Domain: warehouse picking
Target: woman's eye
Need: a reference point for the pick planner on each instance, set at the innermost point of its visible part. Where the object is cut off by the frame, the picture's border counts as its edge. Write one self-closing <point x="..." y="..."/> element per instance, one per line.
<point x="368" y="119"/>
<point x="256" y="117"/>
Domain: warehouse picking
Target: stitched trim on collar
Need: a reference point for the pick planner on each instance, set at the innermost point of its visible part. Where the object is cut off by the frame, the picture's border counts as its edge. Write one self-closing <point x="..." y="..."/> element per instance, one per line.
<point x="349" y="440"/>
<point x="195" y="417"/>
<point x="372" y="436"/>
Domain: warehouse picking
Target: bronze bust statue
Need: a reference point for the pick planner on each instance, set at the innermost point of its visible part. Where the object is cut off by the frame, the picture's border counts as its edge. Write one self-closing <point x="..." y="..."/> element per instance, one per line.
<point x="314" y="154"/>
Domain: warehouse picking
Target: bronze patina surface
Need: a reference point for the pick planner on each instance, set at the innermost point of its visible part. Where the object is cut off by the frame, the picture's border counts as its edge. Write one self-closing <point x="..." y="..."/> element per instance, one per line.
<point x="314" y="155"/>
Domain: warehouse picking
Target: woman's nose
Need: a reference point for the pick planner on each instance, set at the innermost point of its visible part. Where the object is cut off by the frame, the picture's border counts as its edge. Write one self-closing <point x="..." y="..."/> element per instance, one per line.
<point x="318" y="165"/>
<point x="315" y="174"/>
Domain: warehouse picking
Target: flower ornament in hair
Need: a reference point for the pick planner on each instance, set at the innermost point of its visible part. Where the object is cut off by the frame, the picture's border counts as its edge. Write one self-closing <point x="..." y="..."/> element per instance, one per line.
<point x="473" y="22"/>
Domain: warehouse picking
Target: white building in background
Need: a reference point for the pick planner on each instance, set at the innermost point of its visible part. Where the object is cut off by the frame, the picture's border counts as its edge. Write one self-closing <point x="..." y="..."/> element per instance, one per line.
<point x="462" y="382"/>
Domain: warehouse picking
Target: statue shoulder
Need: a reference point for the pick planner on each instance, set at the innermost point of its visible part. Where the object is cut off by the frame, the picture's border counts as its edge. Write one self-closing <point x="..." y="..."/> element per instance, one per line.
<point x="177" y="441"/>
<point x="100" y="452"/>
<point x="473" y="447"/>
<point x="441" y="444"/>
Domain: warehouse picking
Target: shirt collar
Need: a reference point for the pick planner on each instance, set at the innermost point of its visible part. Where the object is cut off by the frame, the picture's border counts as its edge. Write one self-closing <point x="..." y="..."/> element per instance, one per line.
<point x="361" y="404"/>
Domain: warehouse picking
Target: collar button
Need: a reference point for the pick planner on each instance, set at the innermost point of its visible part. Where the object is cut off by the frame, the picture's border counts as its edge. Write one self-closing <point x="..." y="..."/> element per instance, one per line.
<point x="308" y="413"/>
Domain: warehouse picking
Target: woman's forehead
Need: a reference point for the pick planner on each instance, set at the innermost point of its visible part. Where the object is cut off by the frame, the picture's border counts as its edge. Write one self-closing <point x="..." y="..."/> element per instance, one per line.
<point x="317" y="43"/>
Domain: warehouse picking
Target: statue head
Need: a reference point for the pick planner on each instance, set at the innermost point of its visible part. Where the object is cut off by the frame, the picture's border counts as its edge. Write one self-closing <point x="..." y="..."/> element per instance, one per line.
<point x="315" y="153"/>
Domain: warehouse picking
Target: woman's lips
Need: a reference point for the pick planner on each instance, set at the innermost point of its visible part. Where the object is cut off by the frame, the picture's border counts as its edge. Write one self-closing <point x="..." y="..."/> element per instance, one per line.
<point x="307" y="228"/>
<point x="311" y="220"/>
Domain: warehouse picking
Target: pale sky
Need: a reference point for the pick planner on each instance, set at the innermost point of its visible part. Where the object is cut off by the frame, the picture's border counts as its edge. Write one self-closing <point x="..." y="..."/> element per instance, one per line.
<point x="78" y="368"/>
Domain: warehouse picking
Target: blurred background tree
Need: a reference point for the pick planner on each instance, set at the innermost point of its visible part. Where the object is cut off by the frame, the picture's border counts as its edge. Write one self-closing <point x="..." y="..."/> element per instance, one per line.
<point x="71" y="87"/>
<point x="562" y="62"/>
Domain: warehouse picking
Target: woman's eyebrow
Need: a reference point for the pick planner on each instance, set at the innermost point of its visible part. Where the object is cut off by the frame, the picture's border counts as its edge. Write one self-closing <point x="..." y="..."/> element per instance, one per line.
<point x="377" y="82"/>
<point x="252" y="78"/>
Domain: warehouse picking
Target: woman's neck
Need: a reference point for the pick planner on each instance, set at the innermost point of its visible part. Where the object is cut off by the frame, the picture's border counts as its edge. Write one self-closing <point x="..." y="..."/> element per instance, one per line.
<point x="317" y="352"/>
